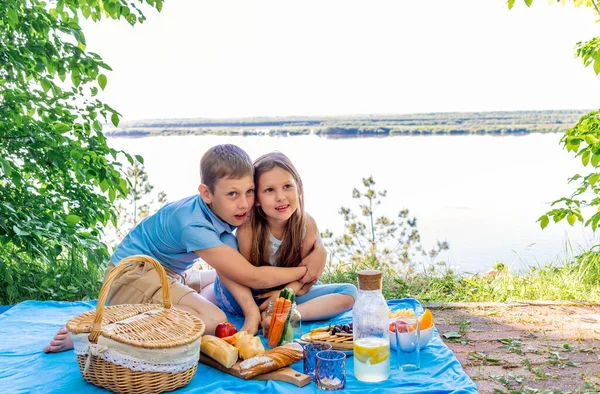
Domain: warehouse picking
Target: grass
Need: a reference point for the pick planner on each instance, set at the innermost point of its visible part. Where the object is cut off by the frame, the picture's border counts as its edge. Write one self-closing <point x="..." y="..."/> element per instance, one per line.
<point x="77" y="278"/>
<point x="578" y="279"/>
<point x="73" y="277"/>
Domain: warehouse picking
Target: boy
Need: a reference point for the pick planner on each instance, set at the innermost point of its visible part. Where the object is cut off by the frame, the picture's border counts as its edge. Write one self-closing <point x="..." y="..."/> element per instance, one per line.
<point x="198" y="226"/>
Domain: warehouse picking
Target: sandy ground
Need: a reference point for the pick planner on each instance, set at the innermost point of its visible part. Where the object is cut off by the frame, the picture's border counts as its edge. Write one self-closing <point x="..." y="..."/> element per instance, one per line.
<point x="529" y="347"/>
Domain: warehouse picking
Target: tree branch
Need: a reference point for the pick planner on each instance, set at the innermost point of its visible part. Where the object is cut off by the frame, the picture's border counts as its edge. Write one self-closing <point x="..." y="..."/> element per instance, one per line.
<point x="596" y="7"/>
<point x="14" y="137"/>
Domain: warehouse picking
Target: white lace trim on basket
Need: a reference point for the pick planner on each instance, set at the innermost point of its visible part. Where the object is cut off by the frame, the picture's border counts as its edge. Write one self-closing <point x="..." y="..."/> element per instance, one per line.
<point x="135" y="364"/>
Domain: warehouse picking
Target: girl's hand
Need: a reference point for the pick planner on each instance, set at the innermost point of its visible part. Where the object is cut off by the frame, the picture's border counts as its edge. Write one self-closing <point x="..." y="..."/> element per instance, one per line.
<point x="314" y="262"/>
<point x="270" y="296"/>
<point x="306" y="287"/>
<point x="314" y="269"/>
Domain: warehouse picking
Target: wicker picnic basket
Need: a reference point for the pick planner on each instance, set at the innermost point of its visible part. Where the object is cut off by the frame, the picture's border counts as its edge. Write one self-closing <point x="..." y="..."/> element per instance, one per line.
<point x="143" y="348"/>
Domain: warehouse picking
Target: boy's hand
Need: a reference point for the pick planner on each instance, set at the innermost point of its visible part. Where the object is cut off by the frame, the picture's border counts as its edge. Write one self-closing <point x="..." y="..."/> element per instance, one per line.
<point x="268" y="296"/>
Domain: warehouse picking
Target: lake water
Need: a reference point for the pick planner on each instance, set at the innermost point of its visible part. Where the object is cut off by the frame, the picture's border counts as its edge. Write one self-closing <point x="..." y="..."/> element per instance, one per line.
<point x="481" y="194"/>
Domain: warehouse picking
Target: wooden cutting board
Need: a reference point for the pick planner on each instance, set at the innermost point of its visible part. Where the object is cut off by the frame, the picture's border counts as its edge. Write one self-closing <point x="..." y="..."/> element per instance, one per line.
<point x="286" y="374"/>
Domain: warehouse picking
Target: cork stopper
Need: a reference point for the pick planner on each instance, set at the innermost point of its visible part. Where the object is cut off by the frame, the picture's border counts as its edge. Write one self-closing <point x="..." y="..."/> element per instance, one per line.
<point x="369" y="280"/>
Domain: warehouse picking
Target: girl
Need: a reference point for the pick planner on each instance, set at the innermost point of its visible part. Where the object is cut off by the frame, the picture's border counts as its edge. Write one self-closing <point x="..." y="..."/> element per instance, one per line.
<point x="280" y="233"/>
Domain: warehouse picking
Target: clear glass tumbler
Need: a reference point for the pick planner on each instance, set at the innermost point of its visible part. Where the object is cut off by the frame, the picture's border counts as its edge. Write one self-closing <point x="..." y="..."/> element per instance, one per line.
<point x="310" y="351"/>
<point x="331" y="370"/>
<point x="407" y="344"/>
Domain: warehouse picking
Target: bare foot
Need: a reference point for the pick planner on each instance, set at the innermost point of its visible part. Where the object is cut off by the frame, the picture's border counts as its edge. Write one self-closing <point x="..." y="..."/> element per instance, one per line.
<point x="251" y="324"/>
<point x="61" y="342"/>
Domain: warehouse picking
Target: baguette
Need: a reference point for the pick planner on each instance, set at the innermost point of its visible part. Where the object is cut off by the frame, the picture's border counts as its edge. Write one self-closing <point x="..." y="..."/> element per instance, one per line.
<point x="248" y="345"/>
<point x="280" y="357"/>
<point x="219" y="350"/>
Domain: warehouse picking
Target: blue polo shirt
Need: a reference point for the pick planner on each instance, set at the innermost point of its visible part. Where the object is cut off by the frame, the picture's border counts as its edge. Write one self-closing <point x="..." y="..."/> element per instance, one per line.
<point x="173" y="233"/>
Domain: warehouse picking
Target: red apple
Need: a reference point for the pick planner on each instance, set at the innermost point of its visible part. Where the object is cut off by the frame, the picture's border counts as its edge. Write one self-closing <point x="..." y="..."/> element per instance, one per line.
<point x="225" y="329"/>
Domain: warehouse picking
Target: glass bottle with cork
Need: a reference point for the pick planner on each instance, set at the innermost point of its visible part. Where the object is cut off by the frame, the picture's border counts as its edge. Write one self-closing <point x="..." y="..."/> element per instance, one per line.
<point x="370" y="325"/>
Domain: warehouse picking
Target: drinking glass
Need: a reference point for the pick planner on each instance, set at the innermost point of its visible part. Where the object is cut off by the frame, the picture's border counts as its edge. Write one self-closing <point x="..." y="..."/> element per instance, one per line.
<point x="407" y="343"/>
<point x="309" y="356"/>
<point x="331" y="370"/>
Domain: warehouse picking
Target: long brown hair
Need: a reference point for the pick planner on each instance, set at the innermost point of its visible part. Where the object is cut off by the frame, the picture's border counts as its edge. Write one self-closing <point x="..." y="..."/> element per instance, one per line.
<point x="290" y="251"/>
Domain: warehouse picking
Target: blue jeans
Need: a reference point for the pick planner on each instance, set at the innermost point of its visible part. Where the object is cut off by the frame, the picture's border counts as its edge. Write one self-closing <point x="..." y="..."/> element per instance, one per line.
<point x="228" y="304"/>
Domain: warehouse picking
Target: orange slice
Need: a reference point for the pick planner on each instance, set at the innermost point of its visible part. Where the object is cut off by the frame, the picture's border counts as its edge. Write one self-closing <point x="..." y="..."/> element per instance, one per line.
<point x="426" y="320"/>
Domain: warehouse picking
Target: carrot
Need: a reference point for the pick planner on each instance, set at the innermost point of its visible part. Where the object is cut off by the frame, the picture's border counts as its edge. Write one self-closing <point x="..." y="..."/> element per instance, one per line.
<point x="277" y="329"/>
<point x="274" y="311"/>
<point x="286" y="315"/>
<point x="277" y="308"/>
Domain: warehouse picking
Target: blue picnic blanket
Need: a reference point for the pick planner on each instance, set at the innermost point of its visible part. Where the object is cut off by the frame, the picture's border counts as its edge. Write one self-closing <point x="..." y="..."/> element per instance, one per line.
<point x="29" y="326"/>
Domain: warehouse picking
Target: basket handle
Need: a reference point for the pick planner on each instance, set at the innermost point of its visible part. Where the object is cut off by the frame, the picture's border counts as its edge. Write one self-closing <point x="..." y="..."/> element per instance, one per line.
<point x="120" y="267"/>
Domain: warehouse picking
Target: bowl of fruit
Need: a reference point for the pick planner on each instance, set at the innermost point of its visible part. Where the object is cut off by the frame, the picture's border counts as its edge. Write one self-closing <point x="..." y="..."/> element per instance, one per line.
<point x="426" y="329"/>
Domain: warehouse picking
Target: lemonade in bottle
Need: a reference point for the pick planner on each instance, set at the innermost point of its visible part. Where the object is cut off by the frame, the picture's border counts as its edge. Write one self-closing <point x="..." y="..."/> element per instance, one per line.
<point x="370" y="327"/>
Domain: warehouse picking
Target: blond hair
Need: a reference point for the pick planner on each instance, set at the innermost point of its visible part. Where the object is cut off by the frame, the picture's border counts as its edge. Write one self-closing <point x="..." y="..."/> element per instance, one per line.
<point x="290" y="251"/>
<point x="224" y="161"/>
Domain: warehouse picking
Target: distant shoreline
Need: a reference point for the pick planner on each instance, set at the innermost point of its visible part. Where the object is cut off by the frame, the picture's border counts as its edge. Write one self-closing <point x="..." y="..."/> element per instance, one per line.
<point x="456" y="123"/>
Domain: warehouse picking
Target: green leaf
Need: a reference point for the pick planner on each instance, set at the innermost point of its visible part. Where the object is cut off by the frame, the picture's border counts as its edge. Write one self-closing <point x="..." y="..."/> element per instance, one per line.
<point x="595" y="160"/>
<point x="13" y="18"/>
<point x="543" y="221"/>
<point x="112" y="194"/>
<point x="104" y="185"/>
<point x="57" y="250"/>
<point x="571" y="219"/>
<point x="72" y="220"/>
<point x="61" y="127"/>
<point x="593" y="179"/>
<point x="451" y="335"/>
<point x="590" y="139"/>
<point x="76" y="154"/>
<point x="139" y="158"/>
<point x="114" y="118"/>
<point x="528" y="2"/>
<point x="105" y="66"/>
<point x="597" y="66"/>
<point x="573" y="144"/>
<point x="46" y="85"/>
<point x="511" y="3"/>
<point x="585" y="158"/>
<point x="6" y="167"/>
<point x="102" y="81"/>
<point x="76" y="79"/>
<point x="20" y="232"/>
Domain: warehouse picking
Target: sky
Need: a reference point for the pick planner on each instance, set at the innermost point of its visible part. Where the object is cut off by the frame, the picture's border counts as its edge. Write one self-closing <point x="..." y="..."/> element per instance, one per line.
<point x="224" y="58"/>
